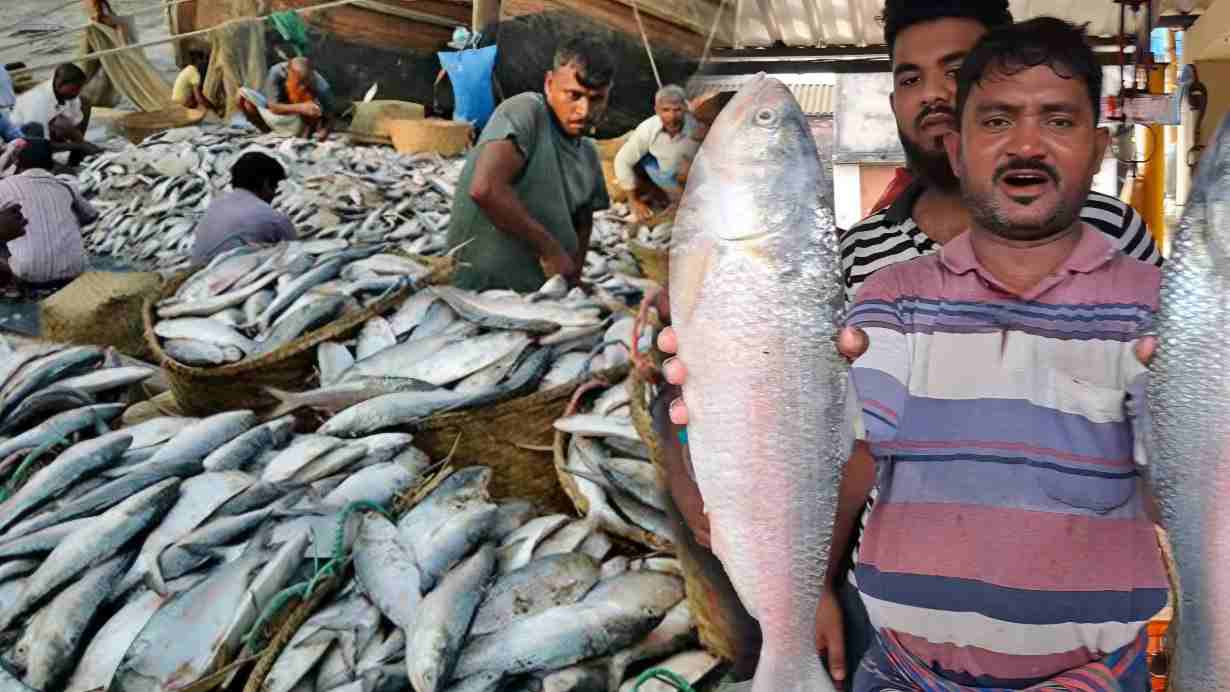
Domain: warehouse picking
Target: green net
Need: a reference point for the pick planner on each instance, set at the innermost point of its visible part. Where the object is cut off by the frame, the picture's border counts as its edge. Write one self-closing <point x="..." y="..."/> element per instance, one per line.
<point x="291" y="27"/>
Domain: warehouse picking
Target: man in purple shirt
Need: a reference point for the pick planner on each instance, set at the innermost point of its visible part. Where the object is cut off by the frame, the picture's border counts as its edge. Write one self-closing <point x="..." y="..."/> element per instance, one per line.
<point x="244" y="216"/>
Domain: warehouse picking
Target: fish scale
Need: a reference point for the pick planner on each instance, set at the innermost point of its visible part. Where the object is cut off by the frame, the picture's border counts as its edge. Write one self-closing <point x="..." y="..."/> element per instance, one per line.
<point x="756" y="299"/>
<point x="1186" y="422"/>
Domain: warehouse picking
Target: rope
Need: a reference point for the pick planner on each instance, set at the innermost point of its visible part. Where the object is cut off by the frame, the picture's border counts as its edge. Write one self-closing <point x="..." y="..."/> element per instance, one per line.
<point x="160" y="41"/>
<point x="665" y="675"/>
<point x="75" y="29"/>
<point x="645" y="38"/>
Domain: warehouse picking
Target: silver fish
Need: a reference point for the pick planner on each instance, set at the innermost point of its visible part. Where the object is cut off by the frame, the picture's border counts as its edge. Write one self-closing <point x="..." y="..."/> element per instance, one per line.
<point x="443" y="619"/>
<point x="692" y="666"/>
<point x="53" y="638"/>
<point x="201" y="353"/>
<point x="204" y="329"/>
<point x="385" y="567"/>
<point x="376" y="335"/>
<point x="1188" y="458"/>
<point x="238" y="452"/>
<point x="76" y="462"/>
<point x="333" y="359"/>
<point x="544" y="583"/>
<point x="96" y="541"/>
<point x="753" y="237"/>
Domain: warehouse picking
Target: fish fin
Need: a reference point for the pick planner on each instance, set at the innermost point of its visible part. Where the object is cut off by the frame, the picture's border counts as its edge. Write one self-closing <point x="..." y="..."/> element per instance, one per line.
<point x="288" y="402"/>
<point x="153" y="577"/>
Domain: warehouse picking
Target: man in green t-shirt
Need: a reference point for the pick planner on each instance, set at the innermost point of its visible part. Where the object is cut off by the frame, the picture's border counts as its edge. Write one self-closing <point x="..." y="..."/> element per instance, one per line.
<point x="530" y="188"/>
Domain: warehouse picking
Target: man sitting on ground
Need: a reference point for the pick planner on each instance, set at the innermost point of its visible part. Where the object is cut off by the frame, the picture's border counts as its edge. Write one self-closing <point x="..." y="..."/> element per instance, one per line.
<point x="652" y="165"/>
<point x="297" y="102"/>
<point x="187" y="90"/>
<point x="244" y="216"/>
<point x="50" y="254"/>
<point x="56" y="110"/>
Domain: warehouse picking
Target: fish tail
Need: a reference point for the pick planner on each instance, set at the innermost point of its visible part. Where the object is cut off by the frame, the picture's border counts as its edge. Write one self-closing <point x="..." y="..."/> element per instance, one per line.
<point x="778" y="671"/>
<point x="288" y="402"/>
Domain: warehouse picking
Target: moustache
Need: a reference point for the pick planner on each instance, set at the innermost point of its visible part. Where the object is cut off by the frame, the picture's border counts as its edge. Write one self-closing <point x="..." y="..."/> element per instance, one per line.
<point x="929" y="111"/>
<point x="1018" y="165"/>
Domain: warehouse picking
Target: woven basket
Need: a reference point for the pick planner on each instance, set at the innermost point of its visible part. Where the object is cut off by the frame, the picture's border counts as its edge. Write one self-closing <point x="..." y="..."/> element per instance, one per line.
<point x="514" y="438"/>
<point x="103" y="309"/>
<point x="206" y="391"/>
<point x="654" y="262"/>
<point x="709" y="592"/>
<point x="137" y="126"/>
<point x="445" y="137"/>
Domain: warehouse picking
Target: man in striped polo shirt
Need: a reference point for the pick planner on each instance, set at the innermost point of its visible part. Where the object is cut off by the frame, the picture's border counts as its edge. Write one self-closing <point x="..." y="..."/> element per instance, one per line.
<point x="927" y="43"/>
<point x="1011" y="544"/>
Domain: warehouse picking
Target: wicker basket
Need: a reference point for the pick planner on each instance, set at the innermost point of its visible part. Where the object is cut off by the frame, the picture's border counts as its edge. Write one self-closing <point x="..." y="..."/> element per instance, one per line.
<point x="103" y="309"/>
<point x="445" y="137"/>
<point x="513" y="438"/>
<point x="137" y="126"/>
<point x="720" y="618"/>
<point x="205" y="391"/>
<point x="654" y="262"/>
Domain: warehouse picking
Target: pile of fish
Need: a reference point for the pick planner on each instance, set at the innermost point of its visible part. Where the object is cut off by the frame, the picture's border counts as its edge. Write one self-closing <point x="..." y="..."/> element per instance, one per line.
<point x="152" y="195"/>
<point x="251" y="301"/>
<point x="611" y="467"/>
<point x="448" y="349"/>
<point x="143" y="557"/>
<point x="462" y="593"/>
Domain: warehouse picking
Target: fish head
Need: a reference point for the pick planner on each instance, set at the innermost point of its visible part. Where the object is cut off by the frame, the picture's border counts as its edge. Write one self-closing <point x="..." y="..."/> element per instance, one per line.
<point x="758" y="169"/>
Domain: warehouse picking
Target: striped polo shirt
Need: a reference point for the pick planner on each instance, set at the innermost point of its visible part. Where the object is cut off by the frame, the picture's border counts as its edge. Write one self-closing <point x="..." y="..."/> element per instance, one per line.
<point x="1009" y="542"/>
<point x="891" y="236"/>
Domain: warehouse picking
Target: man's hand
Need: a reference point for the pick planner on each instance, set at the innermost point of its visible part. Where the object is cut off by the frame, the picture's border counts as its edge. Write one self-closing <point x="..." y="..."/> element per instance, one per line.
<point x="559" y="262"/>
<point x="12" y="223"/>
<point x="322" y="135"/>
<point x="311" y="109"/>
<point x="851" y="343"/>
<point x="831" y="636"/>
<point x="640" y="210"/>
<point x="1145" y="348"/>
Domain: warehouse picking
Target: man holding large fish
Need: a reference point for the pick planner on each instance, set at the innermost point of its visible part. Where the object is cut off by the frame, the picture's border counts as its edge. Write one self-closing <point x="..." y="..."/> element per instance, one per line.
<point x="1011" y="545"/>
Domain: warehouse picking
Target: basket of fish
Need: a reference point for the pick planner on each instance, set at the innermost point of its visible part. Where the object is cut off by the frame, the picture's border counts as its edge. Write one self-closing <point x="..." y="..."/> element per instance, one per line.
<point x="606" y="469"/>
<point x="252" y="318"/>
<point x="453" y="590"/>
<point x="478" y="376"/>
<point x="152" y="557"/>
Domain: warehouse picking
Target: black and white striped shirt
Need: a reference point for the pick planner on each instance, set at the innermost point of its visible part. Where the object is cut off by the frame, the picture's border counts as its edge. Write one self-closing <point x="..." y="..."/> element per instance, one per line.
<point x="891" y="236"/>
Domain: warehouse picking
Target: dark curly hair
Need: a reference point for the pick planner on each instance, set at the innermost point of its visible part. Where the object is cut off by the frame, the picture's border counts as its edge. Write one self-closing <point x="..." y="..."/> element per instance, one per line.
<point x="900" y="15"/>
<point x="1008" y="50"/>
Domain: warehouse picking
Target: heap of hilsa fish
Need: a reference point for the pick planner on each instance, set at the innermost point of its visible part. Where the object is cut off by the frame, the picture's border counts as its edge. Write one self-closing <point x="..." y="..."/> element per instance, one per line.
<point x="442" y="349"/>
<point x="152" y="195"/>
<point x="251" y="301"/>
<point x="147" y="556"/>
<point x="610" y="466"/>
<point x="461" y="593"/>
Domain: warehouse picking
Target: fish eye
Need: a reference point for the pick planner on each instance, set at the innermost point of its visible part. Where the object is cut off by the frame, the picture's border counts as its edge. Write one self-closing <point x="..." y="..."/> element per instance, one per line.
<point x="766" y="117"/>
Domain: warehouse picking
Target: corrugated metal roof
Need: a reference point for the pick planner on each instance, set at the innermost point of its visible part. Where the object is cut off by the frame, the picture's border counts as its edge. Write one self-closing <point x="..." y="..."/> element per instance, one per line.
<point x="824" y="23"/>
<point x="814" y="92"/>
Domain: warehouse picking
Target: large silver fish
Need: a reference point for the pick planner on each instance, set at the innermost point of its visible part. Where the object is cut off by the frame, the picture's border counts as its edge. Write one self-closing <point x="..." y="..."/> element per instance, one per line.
<point x="756" y="300"/>
<point x="1188" y="413"/>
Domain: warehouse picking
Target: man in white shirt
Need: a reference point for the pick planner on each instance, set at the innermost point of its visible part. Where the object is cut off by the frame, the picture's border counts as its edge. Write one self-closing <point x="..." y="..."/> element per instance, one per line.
<point x="51" y="252"/>
<point x="55" y="109"/>
<point x="654" y="162"/>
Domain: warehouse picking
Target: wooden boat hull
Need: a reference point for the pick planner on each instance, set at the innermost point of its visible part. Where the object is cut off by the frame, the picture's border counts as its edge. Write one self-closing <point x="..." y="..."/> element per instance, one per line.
<point x="392" y="43"/>
<point x="530" y="30"/>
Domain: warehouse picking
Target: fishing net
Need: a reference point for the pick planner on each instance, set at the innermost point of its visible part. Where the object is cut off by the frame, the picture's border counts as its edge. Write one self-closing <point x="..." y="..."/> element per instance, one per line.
<point x="126" y="73"/>
<point x="291" y="27"/>
<point x="236" y="60"/>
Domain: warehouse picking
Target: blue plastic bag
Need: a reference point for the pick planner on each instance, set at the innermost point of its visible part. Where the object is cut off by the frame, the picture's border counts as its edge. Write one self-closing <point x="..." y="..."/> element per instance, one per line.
<point x="470" y="73"/>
